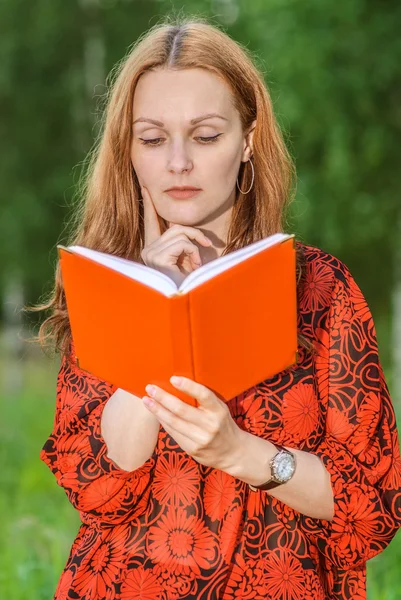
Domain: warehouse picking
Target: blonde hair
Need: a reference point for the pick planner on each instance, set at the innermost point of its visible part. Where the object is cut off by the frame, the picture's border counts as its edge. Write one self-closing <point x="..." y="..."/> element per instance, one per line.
<point x="108" y="214"/>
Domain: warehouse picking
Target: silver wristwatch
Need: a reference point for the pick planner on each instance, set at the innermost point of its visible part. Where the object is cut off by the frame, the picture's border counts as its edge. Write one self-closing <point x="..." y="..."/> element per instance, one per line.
<point x="282" y="466"/>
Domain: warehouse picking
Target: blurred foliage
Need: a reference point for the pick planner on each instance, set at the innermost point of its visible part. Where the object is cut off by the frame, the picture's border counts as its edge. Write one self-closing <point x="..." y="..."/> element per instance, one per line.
<point x="333" y="69"/>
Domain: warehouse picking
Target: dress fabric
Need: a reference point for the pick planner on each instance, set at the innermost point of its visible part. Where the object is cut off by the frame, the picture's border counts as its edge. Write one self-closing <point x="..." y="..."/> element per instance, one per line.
<point x="175" y="529"/>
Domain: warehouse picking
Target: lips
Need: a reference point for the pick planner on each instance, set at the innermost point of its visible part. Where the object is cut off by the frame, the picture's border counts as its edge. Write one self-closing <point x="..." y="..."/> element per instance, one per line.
<point x="183" y="194"/>
<point x="182" y="188"/>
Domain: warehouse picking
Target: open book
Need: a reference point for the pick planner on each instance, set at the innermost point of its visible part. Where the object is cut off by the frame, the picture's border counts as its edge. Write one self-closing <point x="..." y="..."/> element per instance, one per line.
<point x="230" y="324"/>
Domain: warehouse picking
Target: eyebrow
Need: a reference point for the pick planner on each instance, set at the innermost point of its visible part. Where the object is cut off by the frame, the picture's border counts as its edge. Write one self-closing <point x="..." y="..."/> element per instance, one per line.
<point x="193" y="121"/>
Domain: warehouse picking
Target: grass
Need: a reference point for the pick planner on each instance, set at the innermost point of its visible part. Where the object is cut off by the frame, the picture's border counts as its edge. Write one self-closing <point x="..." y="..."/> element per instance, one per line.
<point x="37" y="522"/>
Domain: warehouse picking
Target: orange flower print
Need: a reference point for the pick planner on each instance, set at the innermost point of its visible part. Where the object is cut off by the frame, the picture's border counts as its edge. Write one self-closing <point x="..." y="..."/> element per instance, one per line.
<point x="285" y="514"/>
<point x="360" y="305"/>
<point x="68" y="461"/>
<point x="376" y="464"/>
<point x="256" y="503"/>
<point x="338" y="425"/>
<point x="317" y="287"/>
<point x="103" y="493"/>
<point x="72" y="450"/>
<point x="70" y="409"/>
<point x="341" y="313"/>
<point x="392" y="480"/>
<point x="219" y="494"/>
<point x="67" y="464"/>
<point x="369" y="413"/>
<point x="300" y="410"/>
<point x="364" y="443"/>
<point x="230" y="533"/>
<point x="313" y="586"/>
<point x="357" y="585"/>
<point x="176" y="480"/>
<point x="356" y="521"/>
<point x="64" y="586"/>
<point x="322" y="362"/>
<point x="142" y="584"/>
<point x="176" y="585"/>
<point x="238" y="405"/>
<point x="182" y="543"/>
<point x="255" y="420"/>
<point x="284" y="576"/>
<point x="245" y="579"/>
<point x="103" y="568"/>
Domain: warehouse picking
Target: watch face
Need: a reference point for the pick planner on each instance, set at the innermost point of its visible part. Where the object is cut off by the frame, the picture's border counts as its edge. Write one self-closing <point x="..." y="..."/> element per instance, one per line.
<point x="283" y="466"/>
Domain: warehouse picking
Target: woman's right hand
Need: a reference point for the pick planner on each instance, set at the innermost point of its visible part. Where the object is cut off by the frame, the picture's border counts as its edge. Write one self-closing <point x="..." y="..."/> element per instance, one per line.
<point x="171" y="252"/>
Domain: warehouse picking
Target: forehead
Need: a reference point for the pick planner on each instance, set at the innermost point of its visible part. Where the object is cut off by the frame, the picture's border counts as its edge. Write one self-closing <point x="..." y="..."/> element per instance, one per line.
<point x="174" y="96"/>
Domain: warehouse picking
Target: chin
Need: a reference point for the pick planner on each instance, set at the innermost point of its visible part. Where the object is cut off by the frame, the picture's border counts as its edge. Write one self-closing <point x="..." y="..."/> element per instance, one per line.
<point x="185" y="219"/>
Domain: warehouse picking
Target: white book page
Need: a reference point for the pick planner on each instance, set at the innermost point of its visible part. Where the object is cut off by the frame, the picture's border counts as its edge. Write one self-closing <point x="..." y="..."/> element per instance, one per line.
<point x="164" y="284"/>
<point x="209" y="270"/>
<point x="150" y="277"/>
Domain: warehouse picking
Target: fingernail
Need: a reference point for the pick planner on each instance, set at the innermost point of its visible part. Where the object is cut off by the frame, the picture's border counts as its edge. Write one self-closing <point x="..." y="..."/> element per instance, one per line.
<point x="150" y="389"/>
<point x="176" y="380"/>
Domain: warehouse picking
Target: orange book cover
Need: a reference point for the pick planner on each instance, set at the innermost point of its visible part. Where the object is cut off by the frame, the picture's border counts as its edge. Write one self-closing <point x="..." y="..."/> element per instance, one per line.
<point x="228" y="332"/>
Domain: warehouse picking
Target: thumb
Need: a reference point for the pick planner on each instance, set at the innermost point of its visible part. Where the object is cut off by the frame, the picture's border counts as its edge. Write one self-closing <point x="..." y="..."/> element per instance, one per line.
<point x="150" y="217"/>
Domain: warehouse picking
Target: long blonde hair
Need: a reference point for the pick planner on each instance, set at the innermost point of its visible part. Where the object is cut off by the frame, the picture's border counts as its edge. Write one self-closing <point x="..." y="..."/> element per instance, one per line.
<point x="108" y="215"/>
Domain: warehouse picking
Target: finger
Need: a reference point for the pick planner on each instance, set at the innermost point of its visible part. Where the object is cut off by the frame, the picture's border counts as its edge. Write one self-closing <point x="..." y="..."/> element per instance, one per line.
<point x="150" y="217"/>
<point x="176" y="247"/>
<point x="177" y="428"/>
<point x="206" y="398"/>
<point x="179" y="409"/>
<point x="191" y="232"/>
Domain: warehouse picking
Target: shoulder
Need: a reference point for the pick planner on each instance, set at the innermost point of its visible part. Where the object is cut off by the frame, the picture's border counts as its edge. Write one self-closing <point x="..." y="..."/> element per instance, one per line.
<point x="318" y="260"/>
<point x="324" y="278"/>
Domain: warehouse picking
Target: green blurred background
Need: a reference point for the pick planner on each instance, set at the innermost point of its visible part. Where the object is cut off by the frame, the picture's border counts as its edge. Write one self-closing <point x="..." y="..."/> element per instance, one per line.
<point x="333" y="70"/>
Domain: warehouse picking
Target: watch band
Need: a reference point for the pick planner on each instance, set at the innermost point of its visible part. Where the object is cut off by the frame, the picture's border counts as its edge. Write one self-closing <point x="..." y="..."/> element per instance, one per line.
<point x="271" y="483"/>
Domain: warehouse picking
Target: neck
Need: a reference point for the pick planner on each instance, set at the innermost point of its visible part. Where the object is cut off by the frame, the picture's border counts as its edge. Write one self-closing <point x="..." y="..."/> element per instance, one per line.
<point x="217" y="233"/>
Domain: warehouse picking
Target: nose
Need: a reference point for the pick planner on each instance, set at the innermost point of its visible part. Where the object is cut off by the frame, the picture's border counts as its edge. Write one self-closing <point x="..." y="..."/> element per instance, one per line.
<point x="179" y="159"/>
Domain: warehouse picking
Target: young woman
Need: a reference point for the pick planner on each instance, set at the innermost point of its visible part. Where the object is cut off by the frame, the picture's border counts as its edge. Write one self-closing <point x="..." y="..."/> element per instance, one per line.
<point x="283" y="492"/>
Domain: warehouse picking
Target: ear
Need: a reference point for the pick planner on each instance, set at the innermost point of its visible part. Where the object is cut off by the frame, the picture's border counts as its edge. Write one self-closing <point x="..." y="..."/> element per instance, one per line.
<point x="248" y="143"/>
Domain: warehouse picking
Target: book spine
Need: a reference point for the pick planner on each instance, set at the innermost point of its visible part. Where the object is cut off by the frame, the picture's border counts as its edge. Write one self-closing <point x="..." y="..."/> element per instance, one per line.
<point x="291" y="237"/>
<point x="182" y="351"/>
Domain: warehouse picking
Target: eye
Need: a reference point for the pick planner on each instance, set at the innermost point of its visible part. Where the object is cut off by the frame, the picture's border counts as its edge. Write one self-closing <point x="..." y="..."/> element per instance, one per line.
<point x="205" y="140"/>
<point x="151" y="142"/>
<point x="208" y="140"/>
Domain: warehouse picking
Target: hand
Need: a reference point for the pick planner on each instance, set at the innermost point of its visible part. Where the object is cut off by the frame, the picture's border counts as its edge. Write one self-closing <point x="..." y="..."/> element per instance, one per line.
<point x="208" y="432"/>
<point x="170" y="252"/>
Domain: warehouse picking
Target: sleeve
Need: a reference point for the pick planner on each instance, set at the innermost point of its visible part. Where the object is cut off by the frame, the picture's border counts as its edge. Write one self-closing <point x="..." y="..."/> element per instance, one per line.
<point x="360" y="447"/>
<point x="76" y="453"/>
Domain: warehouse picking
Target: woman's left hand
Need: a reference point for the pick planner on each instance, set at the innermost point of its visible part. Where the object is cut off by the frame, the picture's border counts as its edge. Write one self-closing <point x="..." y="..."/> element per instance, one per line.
<point x="208" y="432"/>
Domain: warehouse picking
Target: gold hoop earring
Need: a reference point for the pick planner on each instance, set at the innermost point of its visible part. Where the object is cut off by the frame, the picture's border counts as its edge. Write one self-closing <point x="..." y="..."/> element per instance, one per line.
<point x="253" y="177"/>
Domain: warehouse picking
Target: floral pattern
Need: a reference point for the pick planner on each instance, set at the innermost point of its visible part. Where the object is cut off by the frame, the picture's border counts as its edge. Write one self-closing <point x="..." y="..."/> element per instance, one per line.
<point x="175" y="529"/>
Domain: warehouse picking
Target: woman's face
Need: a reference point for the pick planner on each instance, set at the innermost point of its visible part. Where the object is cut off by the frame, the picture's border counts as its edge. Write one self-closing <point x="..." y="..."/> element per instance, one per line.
<point x="177" y="153"/>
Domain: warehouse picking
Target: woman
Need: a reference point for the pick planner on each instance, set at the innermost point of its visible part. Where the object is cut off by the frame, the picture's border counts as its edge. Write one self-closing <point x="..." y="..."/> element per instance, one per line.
<point x="179" y="502"/>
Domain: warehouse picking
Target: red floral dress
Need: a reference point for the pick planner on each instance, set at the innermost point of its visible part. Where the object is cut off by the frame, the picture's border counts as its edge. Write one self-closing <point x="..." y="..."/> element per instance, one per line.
<point x="175" y="529"/>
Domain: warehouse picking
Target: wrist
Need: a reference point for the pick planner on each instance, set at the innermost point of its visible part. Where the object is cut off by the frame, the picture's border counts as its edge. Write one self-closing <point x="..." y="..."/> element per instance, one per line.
<point x="251" y="460"/>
